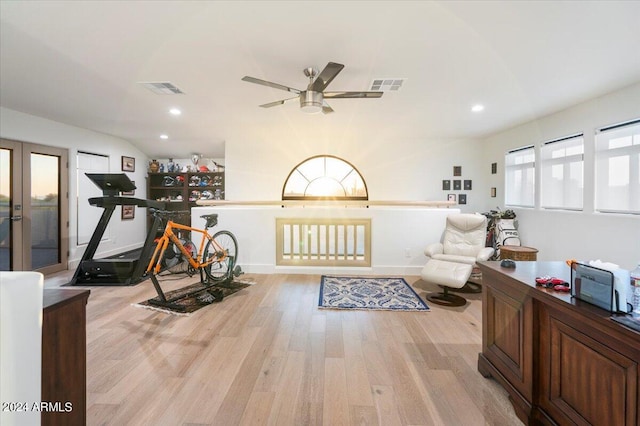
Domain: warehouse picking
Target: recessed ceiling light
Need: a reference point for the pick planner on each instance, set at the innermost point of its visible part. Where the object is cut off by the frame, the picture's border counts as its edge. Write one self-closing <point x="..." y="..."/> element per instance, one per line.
<point x="175" y="111"/>
<point x="164" y="137"/>
<point x="477" y="108"/>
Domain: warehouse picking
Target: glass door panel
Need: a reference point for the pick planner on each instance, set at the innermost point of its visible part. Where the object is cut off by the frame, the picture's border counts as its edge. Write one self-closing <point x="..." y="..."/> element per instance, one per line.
<point x="45" y="210"/>
<point x="34" y="207"/>
<point x="5" y="209"/>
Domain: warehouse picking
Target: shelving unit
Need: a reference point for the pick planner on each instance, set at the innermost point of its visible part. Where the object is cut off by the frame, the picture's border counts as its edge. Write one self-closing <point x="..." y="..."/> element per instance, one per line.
<point x="182" y="190"/>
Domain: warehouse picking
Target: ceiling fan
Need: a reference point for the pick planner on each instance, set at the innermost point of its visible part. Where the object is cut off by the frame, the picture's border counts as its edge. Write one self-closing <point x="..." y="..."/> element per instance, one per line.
<point x="313" y="98"/>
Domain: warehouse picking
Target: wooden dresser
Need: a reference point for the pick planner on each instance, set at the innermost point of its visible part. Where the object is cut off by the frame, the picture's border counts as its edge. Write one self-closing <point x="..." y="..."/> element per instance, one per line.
<point x="562" y="361"/>
<point x="64" y="351"/>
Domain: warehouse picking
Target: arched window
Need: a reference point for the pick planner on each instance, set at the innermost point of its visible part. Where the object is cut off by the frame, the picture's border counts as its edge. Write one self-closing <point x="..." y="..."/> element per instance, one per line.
<point x="324" y="177"/>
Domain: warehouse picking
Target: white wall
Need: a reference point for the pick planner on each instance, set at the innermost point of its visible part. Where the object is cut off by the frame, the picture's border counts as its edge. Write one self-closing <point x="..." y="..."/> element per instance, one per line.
<point x="125" y="235"/>
<point x="393" y="169"/>
<point x="582" y="235"/>
<point x="399" y="235"/>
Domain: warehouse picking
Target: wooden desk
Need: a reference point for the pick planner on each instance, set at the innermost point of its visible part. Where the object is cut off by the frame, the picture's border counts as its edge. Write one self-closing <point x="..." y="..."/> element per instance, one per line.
<point x="561" y="360"/>
<point x="64" y="351"/>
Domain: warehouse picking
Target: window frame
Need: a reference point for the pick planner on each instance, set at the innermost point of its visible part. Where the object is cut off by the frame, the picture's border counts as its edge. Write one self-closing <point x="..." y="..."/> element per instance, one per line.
<point x="295" y="170"/>
<point x="523" y="167"/>
<point x="546" y="164"/>
<point x="601" y="167"/>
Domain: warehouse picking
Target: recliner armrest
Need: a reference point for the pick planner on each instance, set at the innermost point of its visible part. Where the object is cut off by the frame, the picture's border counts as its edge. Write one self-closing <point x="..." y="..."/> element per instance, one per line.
<point x="485" y="253"/>
<point x="434" y="248"/>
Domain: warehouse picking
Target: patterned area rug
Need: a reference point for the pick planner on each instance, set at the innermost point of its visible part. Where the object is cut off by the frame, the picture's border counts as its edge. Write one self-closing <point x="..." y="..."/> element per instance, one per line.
<point x="196" y="296"/>
<point x="391" y="294"/>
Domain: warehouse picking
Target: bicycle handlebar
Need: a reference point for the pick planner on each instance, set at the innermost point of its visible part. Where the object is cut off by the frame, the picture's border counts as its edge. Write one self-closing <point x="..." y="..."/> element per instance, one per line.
<point x="168" y="213"/>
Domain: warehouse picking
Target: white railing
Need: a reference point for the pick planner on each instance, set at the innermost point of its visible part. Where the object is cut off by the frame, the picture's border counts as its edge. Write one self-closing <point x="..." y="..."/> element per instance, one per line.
<point x="323" y="242"/>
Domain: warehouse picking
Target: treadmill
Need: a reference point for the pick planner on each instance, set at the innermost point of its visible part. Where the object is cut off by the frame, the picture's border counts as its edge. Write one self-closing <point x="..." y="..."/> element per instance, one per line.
<point x="126" y="268"/>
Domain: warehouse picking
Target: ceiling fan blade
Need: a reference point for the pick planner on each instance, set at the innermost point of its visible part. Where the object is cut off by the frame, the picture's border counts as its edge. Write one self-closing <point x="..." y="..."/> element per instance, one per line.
<point x="326" y="109"/>
<point x="326" y="76"/>
<point x="336" y="95"/>
<point x="276" y="103"/>
<point x="270" y="84"/>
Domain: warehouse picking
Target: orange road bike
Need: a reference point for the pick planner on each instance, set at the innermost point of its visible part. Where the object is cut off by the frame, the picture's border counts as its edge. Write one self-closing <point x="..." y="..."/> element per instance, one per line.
<point x="214" y="260"/>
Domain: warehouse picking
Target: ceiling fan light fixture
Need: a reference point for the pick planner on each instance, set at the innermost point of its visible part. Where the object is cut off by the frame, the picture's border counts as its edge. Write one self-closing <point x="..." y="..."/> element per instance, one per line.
<point x="311" y="102"/>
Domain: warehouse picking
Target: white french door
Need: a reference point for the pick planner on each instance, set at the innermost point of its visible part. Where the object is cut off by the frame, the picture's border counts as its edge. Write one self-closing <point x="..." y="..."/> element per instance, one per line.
<point x="34" y="207"/>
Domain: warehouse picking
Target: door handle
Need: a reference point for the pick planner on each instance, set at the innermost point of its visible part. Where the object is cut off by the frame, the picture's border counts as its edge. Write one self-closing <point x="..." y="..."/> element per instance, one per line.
<point x="16" y="218"/>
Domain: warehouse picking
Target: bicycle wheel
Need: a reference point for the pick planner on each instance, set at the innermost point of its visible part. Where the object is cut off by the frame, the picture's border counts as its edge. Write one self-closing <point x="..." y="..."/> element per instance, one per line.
<point x="225" y="254"/>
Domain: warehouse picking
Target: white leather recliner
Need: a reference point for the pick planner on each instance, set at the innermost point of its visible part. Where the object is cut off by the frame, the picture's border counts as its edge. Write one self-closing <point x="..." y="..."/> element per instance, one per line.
<point x="451" y="261"/>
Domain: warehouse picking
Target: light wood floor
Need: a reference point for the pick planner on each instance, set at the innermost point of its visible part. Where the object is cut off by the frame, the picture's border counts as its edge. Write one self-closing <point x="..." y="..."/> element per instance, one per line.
<point x="268" y="355"/>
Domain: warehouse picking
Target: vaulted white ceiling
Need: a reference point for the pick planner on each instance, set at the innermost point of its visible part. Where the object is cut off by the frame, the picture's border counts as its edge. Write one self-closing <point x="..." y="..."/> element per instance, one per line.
<point x="81" y="62"/>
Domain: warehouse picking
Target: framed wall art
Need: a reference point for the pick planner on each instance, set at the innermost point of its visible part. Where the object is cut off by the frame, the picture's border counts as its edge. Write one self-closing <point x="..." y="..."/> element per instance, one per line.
<point x="451" y="197"/>
<point x="128" y="212"/>
<point x="467" y="185"/>
<point x="462" y="199"/>
<point x="128" y="164"/>
<point x="446" y="185"/>
<point x="457" y="170"/>
<point x="457" y="185"/>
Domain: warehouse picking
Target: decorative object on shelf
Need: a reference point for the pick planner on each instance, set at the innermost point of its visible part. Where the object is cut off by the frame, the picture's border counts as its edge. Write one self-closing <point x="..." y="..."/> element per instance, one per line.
<point x="446" y="185"/>
<point x="171" y="167"/>
<point x="128" y="164"/>
<point x="154" y="166"/>
<point x="161" y="168"/>
<point x="467" y="185"/>
<point x="203" y="169"/>
<point x="457" y="170"/>
<point x="462" y="199"/>
<point x="128" y="212"/>
<point x="195" y="158"/>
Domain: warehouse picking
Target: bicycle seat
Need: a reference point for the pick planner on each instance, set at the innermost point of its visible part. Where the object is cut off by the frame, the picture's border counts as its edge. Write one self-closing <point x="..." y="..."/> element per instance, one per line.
<point x="212" y="219"/>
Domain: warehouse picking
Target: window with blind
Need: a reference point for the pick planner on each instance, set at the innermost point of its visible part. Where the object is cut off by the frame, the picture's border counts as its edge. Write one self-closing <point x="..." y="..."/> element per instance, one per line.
<point x="520" y="177"/>
<point x="617" y="167"/>
<point x="562" y="173"/>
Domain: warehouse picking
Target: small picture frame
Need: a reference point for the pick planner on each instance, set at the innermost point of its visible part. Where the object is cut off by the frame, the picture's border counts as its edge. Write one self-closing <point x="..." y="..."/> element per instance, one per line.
<point x="467" y="185"/>
<point x="128" y="164"/>
<point x="132" y="192"/>
<point x="128" y="212"/>
<point x="494" y="168"/>
<point x="493" y="192"/>
<point x="462" y="199"/>
<point x="457" y="185"/>
<point x="446" y="185"/>
<point x="451" y="197"/>
<point x="457" y="170"/>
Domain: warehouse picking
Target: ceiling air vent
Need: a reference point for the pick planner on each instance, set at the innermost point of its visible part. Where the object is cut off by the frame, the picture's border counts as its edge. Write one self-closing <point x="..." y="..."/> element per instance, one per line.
<point x="387" y="84"/>
<point x="162" y="88"/>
